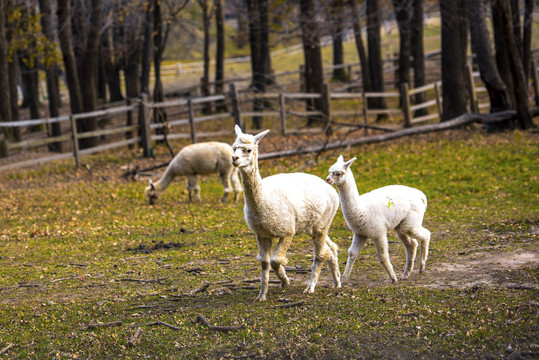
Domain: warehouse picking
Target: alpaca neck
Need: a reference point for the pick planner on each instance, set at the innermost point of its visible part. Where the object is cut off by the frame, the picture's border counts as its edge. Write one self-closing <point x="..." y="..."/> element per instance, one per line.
<point x="349" y="194"/>
<point x="251" y="180"/>
<point x="165" y="180"/>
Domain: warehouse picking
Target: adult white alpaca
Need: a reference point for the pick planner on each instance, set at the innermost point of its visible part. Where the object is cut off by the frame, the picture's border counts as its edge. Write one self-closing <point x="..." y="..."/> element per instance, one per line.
<point x="372" y="215"/>
<point x="281" y="206"/>
<point x="199" y="159"/>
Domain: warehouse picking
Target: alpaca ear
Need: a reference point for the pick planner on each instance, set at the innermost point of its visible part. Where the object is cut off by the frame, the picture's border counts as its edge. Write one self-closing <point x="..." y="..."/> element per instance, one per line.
<point x="349" y="162"/>
<point x="237" y="130"/>
<point x="152" y="187"/>
<point x="260" y="136"/>
<point x="340" y="159"/>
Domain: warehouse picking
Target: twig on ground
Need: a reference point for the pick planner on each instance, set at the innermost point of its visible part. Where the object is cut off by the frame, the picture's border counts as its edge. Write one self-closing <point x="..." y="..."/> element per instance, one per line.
<point x="100" y="325"/>
<point x="6" y="349"/>
<point x="466" y="252"/>
<point x="135" y="337"/>
<point x="289" y="305"/>
<point x="203" y="288"/>
<point x="158" y="323"/>
<point x="145" y="281"/>
<point x="201" y="319"/>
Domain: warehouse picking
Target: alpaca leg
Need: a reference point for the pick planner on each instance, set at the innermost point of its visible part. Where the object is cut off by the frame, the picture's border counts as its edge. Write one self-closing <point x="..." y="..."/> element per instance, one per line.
<point x="193" y="188"/>
<point x="334" y="263"/>
<point x="423" y="235"/>
<point x="353" y="252"/>
<point x="227" y="186"/>
<point x="279" y="261"/>
<point x="264" y="248"/>
<point x="236" y="184"/>
<point x="383" y="256"/>
<point x="322" y="253"/>
<point x="410" y="245"/>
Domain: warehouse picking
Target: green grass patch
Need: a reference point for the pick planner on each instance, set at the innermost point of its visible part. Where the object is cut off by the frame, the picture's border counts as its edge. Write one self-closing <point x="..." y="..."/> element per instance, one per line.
<point x="82" y="247"/>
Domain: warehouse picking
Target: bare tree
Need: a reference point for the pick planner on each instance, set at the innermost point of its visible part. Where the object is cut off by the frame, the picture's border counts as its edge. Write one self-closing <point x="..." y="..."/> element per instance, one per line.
<point x="403" y="12"/>
<point x="205" y="82"/>
<point x="374" y="45"/>
<point x="219" y="51"/>
<point x="453" y="58"/>
<point x="336" y="21"/>
<point x="506" y="43"/>
<point x="365" y="72"/>
<point x="418" y="52"/>
<point x="314" y="74"/>
<point x="65" y="36"/>
<point x="5" y="110"/>
<point x="482" y="48"/>
<point x="51" y="69"/>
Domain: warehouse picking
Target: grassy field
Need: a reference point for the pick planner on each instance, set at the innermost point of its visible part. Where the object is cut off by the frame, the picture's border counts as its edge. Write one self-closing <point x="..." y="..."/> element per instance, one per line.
<point x="89" y="270"/>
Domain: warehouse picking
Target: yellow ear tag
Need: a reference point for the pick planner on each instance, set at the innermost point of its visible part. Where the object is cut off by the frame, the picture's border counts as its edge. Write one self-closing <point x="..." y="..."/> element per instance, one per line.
<point x="389" y="204"/>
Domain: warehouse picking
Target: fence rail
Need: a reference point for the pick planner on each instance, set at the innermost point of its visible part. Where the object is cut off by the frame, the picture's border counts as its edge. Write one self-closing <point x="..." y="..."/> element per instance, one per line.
<point x="138" y="117"/>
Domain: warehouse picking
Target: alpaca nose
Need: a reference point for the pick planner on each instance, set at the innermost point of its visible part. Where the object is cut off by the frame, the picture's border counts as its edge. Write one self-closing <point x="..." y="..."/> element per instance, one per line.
<point x="328" y="180"/>
<point x="234" y="158"/>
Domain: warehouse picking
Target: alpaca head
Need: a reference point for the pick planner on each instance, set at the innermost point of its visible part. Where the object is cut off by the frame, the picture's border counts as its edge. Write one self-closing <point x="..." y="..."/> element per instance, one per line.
<point x="338" y="171"/>
<point x="246" y="148"/>
<point x="151" y="193"/>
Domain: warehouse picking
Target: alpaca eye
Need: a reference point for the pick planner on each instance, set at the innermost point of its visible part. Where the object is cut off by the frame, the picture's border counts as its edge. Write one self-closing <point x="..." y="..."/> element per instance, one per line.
<point x="249" y="151"/>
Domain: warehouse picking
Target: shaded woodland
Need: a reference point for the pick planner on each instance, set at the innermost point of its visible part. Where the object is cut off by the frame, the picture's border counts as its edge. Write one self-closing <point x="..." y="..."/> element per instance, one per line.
<point x="104" y="50"/>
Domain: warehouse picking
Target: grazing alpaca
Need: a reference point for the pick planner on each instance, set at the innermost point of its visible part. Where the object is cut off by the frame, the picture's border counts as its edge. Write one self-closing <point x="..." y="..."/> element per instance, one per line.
<point x="281" y="206"/>
<point x="199" y="159"/>
<point x="372" y="215"/>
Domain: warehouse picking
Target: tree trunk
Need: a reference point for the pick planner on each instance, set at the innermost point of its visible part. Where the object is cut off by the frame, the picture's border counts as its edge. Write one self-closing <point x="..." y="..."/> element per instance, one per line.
<point x="453" y="60"/>
<point x="527" y="37"/>
<point x="482" y="49"/>
<point x="314" y="72"/>
<point x="219" y="52"/>
<point x="158" y="93"/>
<point x="403" y="13"/>
<point x="418" y="53"/>
<point x="111" y="62"/>
<point x="374" y="44"/>
<point x="65" y="36"/>
<point x="257" y="10"/>
<point x="53" y="88"/>
<point x="365" y="72"/>
<point x="502" y="10"/>
<point x="88" y="73"/>
<point x="147" y="48"/>
<point x="205" y="84"/>
<point x="335" y="14"/>
<point x="5" y="109"/>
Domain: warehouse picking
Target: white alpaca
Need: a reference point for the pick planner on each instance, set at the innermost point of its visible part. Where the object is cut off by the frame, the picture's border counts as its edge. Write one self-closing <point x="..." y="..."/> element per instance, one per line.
<point x="372" y="215"/>
<point x="199" y="159"/>
<point x="281" y="206"/>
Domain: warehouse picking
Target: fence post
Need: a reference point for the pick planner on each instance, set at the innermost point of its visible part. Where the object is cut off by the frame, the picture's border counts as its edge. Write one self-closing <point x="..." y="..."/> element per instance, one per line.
<point x="302" y="85"/>
<point x="235" y="105"/>
<point x="144" y="123"/>
<point x="438" y="93"/>
<point x="365" y="113"/>
<point x="535" y="78"/>
<point x="326" y="107"/>
<point x="405" y="101"/>
<point x="75" y="139"/>
<point x="192" y="120"/>
<point x="3" y="145"/>
<point x="283" y="113"/>
<point x="473" y="94"/>
<point x="129" y="122"/>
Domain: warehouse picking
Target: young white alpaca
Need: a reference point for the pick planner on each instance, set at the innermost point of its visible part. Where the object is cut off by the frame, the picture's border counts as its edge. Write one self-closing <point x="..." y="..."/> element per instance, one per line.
<point x="199" y="159"/>
<point x="281" y="206"/>
<point x="372" y="215"/>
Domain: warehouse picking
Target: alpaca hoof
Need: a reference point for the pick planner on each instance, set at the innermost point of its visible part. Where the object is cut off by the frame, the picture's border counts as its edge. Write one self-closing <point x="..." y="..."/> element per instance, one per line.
<point x="260" y="298"/>
<point x="308" y="290"/>
<point x="394" y="281"/>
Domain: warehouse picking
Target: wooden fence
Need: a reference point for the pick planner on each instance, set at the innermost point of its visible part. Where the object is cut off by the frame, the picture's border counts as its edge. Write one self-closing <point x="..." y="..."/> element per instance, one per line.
<point x="139" y="124"/>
